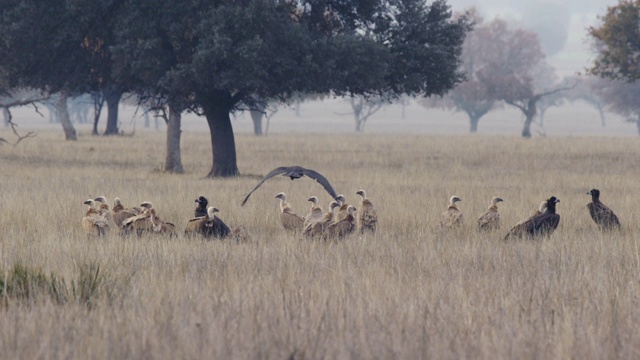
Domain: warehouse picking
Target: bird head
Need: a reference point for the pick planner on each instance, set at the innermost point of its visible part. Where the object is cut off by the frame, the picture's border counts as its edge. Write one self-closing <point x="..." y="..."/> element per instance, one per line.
<point x="90" y="202"/>
<point x="362" y="193"/>
<point x="454" y="199"/>
<point x="554" y="200"/>
<point x="496" y="200"/>
<point x="202" y="200"/>
<point x="594" y="192"/>
<point x="117" y="201"/>
<point x="351" y="210"/>
<point x="101" y="199"/>
<point x="281" y="196"/>
<point x="313" y="199"/>
<point x="211" y="211"/>
<point x="341" y="199"/>
<point x="146" y="205"/>
<point x="333" y="205"/>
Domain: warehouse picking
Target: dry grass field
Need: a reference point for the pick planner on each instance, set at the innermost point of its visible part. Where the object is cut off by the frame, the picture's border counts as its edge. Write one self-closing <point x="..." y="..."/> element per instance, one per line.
<point x="407" y="292"/>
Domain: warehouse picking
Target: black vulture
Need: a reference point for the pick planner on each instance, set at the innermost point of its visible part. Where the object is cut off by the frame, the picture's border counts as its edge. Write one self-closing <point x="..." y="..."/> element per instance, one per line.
<point x="294" y="172"/>
<point x="201" y="208"/>
<point x="520" y="229"/>
<point x="600" y="213"/>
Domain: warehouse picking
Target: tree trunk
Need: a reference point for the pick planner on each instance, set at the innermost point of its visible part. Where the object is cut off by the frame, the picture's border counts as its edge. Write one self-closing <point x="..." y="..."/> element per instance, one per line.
<point x="173" y="162"/>
<point x="473" y="121"/>
<point x="112" y="96"/>
<point x="602" y="119"/>
<point x="5" y="114"/>
<point x="526" y="129"/>
<point x="216" y="109"/>
<point x="63" y="115"/>
<point x="256" y="116"/>
<point x="98" y="103"/>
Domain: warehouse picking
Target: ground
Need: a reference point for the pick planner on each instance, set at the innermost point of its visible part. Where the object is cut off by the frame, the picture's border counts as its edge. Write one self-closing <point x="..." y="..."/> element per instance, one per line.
<point x="407" y="292"/>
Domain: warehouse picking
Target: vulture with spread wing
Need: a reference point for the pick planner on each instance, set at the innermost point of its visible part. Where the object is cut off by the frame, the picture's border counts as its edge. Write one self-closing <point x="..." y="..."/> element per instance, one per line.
<point x="294" y="172"/>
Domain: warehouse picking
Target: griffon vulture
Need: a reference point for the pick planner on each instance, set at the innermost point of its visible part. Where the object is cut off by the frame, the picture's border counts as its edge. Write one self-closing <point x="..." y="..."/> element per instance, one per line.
<point x="452" y="217"/>
<point x="294" y="172"/>
<point x="342" y="228"/>
<point x="520" y="229"/>
<point x="140" y="223"/>
<point x="103" y="208"/>
<point x="289" y="219"/>
<point x="315" y="213"/>
<point x="317" y="227"/>
<point x="490" y="220"/>
<point x="92" y="223"/>
<point x="161" y="227"/>
<point x="600" y="213"/>
<point x="120" y="214"/>
<point x="342" y="211"/>
<point x="367" y="215"/>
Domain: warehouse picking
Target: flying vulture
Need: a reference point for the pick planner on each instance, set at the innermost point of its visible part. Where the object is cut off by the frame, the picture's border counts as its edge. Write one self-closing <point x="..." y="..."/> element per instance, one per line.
<point x="289" y="219"/>
<point x="490" y="220"/>
<point x="452" y="217"/>
<point x="294" y="172"/>
<point x="600" y="213"/>
<point x="367" y="215"/>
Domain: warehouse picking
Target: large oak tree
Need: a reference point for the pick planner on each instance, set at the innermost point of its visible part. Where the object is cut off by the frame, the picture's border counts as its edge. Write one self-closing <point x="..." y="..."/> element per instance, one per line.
<point x="223" y="55"/>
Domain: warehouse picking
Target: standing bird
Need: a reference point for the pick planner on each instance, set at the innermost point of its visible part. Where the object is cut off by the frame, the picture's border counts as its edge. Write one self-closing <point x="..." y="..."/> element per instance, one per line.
<point x="520" y="229"/>
<point x="452" y="217"/>
<point x="202" y="225"/>
<point x="342" y="211"/>
<point x="201" y="208"/>
<point x="294" y="172"/>
<point x="342" y="228"/>
<point x="317" y="227"/>
<point x="490" y="220"/>
<point x="103" y="208"/>
<point x="92" y="223"/>
<point x="161" y="227"/>
<point x="600" y="213"/>
<point x="367" y="216"/>
<point x="315" y="213"/>
<point x="547" y="222"/>
<point x="140" y="223"/>
<point x="120" y="214"/>
<point x="289" y="219"/>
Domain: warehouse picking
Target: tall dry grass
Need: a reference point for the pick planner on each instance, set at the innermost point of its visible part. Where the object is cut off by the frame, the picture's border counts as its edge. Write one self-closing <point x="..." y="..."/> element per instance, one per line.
<point x="407" y="292"/>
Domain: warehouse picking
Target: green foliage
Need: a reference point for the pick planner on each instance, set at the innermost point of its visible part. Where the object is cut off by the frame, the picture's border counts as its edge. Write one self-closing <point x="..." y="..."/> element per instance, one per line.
<point x="29" y="285"/>
<point x="617" y="42"/>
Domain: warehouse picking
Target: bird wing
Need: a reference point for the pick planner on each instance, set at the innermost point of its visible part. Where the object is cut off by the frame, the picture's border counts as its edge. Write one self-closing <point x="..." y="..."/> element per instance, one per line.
<point x="320" y="179"/>
<point x="277" y="171"/>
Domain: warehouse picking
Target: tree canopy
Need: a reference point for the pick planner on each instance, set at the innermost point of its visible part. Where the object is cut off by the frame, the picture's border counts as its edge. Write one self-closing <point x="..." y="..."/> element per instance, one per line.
<point x="617" y="42"/>
<point x="213" y="57"/>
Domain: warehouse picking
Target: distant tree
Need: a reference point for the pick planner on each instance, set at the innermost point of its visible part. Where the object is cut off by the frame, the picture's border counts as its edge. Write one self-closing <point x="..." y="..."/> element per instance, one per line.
<point x="62" y="46"/>
<point x="621" y="98"/>
<point x="472" y="96"/>
<point x="217" y="57"/>
<point x="362" y="108"/>
<point x="14" y="98"/>
<point x="517" y="79"/>
<point x="617" y="42"/>
<point x="587" y="90"/>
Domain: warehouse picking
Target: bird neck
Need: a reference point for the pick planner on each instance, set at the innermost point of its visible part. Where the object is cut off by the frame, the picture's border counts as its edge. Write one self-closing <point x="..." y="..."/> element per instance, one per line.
<point x="493" y="208"/>
<point x="453" y="206"/>
<point x="595" y="198"/>
<point x="551" y="208"/>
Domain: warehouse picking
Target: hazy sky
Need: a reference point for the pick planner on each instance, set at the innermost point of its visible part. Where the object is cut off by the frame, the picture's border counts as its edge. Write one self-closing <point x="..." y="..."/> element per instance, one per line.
<point x="561" y="25"/>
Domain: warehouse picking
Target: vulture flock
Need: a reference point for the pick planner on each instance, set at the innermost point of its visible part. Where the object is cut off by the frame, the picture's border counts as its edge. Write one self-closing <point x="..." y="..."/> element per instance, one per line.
<point x="542" y="223"/>
<point x="336" y="222"/>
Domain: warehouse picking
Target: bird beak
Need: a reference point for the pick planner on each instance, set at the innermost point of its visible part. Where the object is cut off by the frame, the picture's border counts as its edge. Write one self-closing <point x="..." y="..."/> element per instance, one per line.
<point x="88" y="202"/>
<point x="198" y="200"/>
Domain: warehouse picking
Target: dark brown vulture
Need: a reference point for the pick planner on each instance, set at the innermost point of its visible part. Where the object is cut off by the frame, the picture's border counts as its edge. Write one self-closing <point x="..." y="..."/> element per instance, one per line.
<point x="452" y="217"/>
<point x="600" y="213"/>
<point x="490" y="220"/>
<point x="289" y="219"/>
<point x="342" y="228"/>
<point x="520" y="229"/>
<point x="92" y="222"/>
<point x="294" y="172"/>
<point x="315" y="213"/>
<point x="201" y="208"/>
<point x="209" y="226"/>
<point x="543" y="224"/>
<point x="367" y="216"/>
<point x="317" y="227"/>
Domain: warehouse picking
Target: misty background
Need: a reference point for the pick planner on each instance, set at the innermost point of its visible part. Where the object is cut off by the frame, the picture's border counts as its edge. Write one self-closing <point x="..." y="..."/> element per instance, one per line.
<point x="560" y="24"/>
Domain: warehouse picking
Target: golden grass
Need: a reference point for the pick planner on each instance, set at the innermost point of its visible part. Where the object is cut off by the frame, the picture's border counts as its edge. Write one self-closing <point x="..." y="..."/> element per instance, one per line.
<point x="407" y="292"/>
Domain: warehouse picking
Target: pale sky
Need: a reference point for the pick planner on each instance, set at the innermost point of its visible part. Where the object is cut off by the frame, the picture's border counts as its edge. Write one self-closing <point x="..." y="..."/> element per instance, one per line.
<point x="561" y="25"/>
